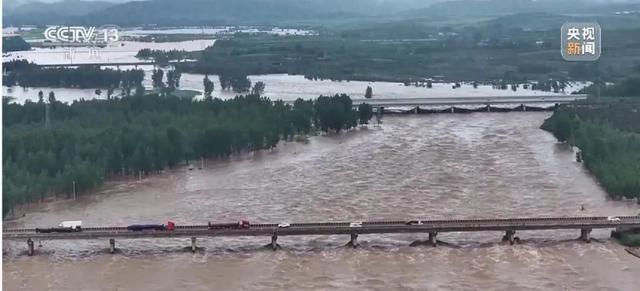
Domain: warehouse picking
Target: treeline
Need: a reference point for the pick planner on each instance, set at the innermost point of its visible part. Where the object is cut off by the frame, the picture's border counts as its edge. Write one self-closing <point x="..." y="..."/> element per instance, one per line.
<point x="239" y="83"/>
<point x="25" y="74"/>
<point x="544" y="85"/>
<point x="14" y="43"/>
<point x="454" y="56"/>
<point x="162" y="56"/>
<point x="608" y="135"/>
<point x="87" y="142"/>
<point x="628" y="87"/>
<point x="234" y="81"/>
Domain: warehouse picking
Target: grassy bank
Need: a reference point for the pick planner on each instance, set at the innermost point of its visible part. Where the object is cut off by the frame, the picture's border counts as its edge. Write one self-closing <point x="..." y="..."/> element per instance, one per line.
<point x="607" y="131"/>
<point x="627" y="236"/>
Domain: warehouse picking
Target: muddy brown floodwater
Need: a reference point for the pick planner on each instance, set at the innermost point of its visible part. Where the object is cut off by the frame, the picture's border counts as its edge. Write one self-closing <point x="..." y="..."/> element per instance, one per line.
<point x="428" y="167"/>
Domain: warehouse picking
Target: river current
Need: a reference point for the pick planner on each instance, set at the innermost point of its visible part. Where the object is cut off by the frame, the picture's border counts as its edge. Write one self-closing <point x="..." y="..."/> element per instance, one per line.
<point x="482" y="165"/>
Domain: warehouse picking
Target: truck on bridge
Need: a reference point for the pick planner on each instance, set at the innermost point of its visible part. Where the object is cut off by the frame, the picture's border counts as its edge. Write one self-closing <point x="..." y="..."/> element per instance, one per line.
<point x="508" y="226"/>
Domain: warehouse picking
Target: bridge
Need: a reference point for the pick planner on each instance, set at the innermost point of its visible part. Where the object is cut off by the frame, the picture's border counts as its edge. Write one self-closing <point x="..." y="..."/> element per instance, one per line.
<point x="431" y="227"/>
<point x="453" y="101"/>
<point x="109" y="64"/>
<point x="466" y="104"/>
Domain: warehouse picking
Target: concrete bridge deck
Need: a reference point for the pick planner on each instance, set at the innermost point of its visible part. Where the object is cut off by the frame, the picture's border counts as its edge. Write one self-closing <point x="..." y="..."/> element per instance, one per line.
<point x="452" y="101"/>
<point x="110" y="64"/>
<point x="432" y="227"/>
<point x="458" y="101"/>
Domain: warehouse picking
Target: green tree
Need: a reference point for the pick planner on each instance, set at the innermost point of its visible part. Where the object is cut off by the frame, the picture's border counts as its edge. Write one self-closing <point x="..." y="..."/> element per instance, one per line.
<point x="365" y="113"/>
<point x="208" y="86"/>
<point x="109" y="92"/>
<point x="52" y="97"/>
<point x="240" y="83"/>
<point x="562" y="128"/>
<point x="368" y="93"/>
<point x="258" y="88"/>
<point x="156" y="78"/>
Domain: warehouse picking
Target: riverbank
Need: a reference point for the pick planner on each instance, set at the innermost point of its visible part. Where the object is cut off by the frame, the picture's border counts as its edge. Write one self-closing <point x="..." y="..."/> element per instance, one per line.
<point x="607" y="133"/>
<point x="627" y="236"/>
<point x="489" y="165"/>
<point x="86" y="142"/>
<point x="634" y="251"/>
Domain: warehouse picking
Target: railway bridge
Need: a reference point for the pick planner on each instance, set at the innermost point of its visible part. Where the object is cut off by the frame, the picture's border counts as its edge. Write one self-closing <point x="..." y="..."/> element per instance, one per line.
<point x="469" y="104"/>
<point x="484" y="100"/>
<point x="466" y="104"/>
<point x="507" y="226"/>
<point x="111" y="64"/>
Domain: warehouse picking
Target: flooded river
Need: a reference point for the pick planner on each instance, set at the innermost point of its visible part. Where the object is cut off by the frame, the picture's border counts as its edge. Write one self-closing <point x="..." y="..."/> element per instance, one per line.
<point x="425" y="167"/>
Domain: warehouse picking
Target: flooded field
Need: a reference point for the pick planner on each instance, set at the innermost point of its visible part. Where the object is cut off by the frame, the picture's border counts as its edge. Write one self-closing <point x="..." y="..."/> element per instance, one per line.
<point x="426" y="167"/>
<point x="292" y="87"/>
<point x="278" y="86"/>
<point x="117" y="52"/>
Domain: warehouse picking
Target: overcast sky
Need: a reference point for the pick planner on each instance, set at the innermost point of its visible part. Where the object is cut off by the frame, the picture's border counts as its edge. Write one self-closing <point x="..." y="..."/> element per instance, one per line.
<point x="14" y="3"/>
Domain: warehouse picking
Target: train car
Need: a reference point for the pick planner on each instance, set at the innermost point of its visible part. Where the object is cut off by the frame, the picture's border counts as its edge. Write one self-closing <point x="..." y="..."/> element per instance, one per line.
<point x="143" y="227"/>
<point x="65" y="226"/>
<point x="171" y="226"/>
<point x="57" y="230"/>
<point x="239" y="224"/>
<point x="72" y="224"/>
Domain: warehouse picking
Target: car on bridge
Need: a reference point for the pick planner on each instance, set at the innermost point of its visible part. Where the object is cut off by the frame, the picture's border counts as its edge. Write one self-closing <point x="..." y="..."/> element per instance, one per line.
<point x="414" y="222"/>
<point x="74" y="225"/>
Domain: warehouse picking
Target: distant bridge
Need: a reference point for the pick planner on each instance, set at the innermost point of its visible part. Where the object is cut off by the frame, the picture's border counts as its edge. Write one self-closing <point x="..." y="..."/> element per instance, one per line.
<point x="110" y="64"/>
<point x="431" y="227"/>
<point x="453" y="101"/>
<point x="466" y="104"/>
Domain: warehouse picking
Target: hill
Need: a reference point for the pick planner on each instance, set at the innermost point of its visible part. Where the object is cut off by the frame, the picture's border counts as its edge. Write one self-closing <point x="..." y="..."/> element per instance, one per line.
<point x="468" y="8"/>
<point x="41" y="13"/>
<point x="210" y="12"/>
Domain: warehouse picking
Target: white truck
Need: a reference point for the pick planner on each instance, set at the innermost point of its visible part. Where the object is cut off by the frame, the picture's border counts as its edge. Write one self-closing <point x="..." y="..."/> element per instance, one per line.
<point x="75" y="225"/>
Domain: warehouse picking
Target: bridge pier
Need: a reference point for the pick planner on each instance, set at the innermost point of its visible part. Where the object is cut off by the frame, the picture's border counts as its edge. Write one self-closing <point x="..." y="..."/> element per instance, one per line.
<point x="509" y="236"/>
<point x="274" y="242"/>
<point x="488" y="108"/>
<point x="112" y="245"/>
<point x="524" y="108"/>
<point x="452" y="109"/>
<point x="432" y="238"/>
<point x="354" y="241"/>
<point x="585" y="235"/>
<point x="193" y="244"/>
<point x="31" y="249"/>
<point x="416" y="110"/>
